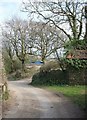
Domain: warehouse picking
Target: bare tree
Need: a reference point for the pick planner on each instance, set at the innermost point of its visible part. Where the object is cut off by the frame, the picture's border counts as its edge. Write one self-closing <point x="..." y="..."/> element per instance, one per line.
<point x="17" y="34"/>
<point x="67" y="16"/>
<point x="63" y="15"/>
<point x="46" y="39"/>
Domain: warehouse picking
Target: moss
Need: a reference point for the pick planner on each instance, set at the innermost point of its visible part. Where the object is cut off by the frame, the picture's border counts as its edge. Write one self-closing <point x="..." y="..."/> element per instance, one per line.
<point x="5" y="95"/>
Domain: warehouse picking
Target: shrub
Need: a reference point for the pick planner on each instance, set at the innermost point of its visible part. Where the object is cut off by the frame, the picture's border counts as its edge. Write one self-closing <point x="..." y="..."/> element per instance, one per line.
<point x="53" y="77"/>
<point x="7" y="63"/>
<point x="51" y="65"/>
<point x="18" y="74"/>
<point x="11" y="65"/>
<point x="50" y="74"/>
<point x="17" y="64"/>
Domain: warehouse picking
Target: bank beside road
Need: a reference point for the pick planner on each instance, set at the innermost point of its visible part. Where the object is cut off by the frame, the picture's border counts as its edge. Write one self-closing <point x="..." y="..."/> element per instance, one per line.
<point x="77" y="94"/>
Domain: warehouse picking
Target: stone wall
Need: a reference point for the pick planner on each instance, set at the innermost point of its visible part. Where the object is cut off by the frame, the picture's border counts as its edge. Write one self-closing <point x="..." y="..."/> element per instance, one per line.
<point x="1" y="86"/>
<point x="3" y="80"/>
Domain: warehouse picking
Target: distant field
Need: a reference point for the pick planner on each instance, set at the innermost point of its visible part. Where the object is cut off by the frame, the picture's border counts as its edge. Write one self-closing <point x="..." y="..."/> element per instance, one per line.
<point x="77" y="94"/>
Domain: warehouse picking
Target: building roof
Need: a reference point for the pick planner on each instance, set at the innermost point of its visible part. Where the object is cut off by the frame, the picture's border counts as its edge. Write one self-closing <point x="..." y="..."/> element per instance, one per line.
<point x="77" y="54"/>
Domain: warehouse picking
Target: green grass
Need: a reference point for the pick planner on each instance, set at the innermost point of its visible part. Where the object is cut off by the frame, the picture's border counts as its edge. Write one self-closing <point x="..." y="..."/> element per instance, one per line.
<point x="76" y="93"/>
<point x="5" y="95"/>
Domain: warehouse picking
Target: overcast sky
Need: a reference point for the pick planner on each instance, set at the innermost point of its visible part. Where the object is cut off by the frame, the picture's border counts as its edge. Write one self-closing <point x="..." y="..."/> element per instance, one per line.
<point x="11" y="8"/>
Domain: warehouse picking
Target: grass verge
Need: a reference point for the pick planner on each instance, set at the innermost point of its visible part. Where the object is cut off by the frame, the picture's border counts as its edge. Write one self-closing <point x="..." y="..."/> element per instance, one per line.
<point x="78" y="94"/>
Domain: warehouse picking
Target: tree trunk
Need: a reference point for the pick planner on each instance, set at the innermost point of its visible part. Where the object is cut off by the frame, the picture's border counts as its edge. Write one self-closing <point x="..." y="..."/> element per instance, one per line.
<point x="60" y="63"/>
<point x="85" y="37"/>
<point x="43" y="59"/>
<point x="23" y="65"/>
<point x="12" y="66"/>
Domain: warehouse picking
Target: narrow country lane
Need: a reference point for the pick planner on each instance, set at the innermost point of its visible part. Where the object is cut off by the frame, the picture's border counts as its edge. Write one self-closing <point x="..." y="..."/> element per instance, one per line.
<point x="32" y="102"/>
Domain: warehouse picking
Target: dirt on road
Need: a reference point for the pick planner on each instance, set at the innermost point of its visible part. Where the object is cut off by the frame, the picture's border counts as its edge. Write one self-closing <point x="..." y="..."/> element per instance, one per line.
<point x="31" y="102"/>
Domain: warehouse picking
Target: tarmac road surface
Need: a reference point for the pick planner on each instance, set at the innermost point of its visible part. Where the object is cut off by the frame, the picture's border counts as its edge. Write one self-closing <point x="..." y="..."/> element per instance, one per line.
<point x="32" y="102"/>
